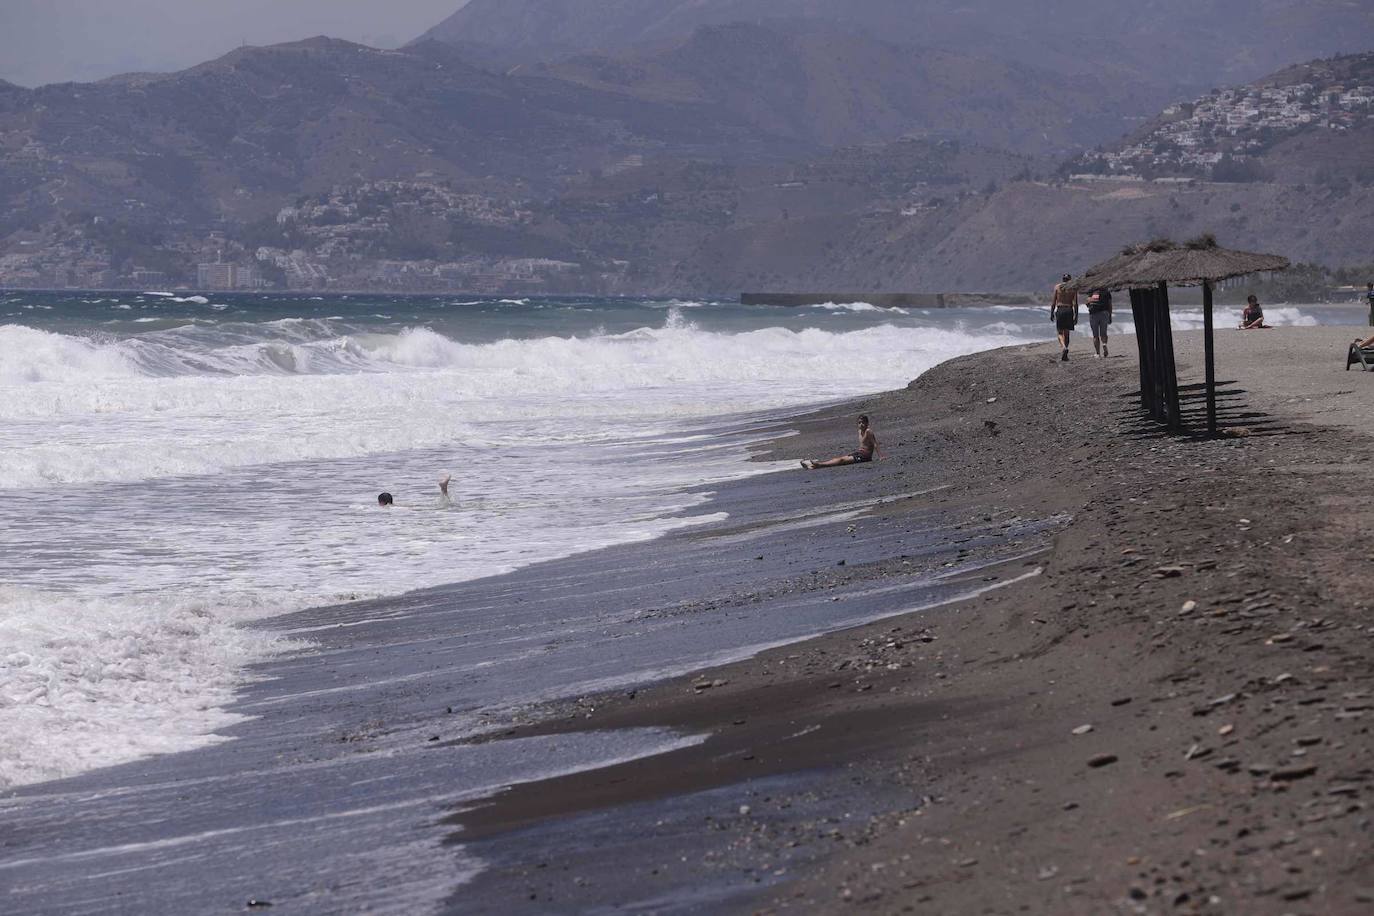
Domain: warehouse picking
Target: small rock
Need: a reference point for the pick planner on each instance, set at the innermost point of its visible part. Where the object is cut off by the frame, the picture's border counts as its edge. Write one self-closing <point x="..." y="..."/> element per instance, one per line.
<point x="1121" y="701"/>
<point x="1102" y="760"/>
<point x="1288" y="774"/>
<point x="966" y="863"/>
<point x="1082" y="729"/>
<point x="1169" y="572"/>
<point x="744" y="809"/>
<point x="1226" y="729"/>
<point x="1188" y="607"/>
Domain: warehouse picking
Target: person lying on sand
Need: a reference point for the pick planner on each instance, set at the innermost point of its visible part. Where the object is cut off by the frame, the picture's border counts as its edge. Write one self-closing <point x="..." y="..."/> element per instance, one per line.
<point x="867" y="451"/>
<point x="1253" y="316"/>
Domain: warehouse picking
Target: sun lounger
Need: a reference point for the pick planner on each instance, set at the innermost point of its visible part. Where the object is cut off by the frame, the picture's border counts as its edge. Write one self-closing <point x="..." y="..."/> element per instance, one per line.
<point x="1362" y="355"/>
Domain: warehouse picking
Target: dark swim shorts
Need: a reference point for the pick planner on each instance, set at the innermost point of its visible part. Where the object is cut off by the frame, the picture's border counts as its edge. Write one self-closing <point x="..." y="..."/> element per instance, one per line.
<point x="1063" y="319"/>
<point x="861" y="457"/>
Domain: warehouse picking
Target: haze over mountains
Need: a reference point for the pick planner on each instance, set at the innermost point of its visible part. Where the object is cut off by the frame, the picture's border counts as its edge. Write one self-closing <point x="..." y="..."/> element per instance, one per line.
<point x="665" y="146"/>
<point x="1166" y="42"/>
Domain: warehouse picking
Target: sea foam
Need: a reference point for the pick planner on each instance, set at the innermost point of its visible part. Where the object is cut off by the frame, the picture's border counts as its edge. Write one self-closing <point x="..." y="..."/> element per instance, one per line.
<point x="180" y="480"/>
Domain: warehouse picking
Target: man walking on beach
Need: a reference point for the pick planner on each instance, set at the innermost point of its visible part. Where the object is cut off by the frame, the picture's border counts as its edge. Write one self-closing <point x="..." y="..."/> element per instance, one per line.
<point x="1369" y="297"/>
<point x="867" y="451"/>
<point x="1099" y="316"/>
<point x="1064" y="313"/>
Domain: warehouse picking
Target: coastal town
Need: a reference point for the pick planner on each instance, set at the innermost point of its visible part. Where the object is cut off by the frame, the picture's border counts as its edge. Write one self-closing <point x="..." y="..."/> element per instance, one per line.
<point x="1220" y="135"/>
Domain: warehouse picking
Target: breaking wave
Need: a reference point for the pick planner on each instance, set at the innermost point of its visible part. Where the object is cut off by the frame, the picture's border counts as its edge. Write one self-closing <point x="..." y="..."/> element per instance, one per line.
<point x="198" y="398"/>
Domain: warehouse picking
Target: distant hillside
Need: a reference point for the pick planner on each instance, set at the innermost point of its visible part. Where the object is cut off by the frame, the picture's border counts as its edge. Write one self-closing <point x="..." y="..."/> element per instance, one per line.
<point x="1021" y="236"/>
<point x="234" y="137"/>
<point x="1166" y="42"/>
<point x="714" y="163"/>
<point x="1311" y="122"/>
<point x="826" y="85"/>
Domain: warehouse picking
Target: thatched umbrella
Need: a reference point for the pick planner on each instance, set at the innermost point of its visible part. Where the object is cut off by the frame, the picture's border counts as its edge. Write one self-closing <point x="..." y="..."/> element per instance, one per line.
<point x="1163" y="263"/>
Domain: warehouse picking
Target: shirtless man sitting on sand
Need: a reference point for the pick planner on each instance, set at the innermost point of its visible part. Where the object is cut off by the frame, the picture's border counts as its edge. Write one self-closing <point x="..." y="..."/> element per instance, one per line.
<point x="867" y="451"/>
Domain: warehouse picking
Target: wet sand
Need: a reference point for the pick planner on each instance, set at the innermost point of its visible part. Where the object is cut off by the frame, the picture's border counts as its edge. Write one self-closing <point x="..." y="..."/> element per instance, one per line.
<point x="1173" y="716"/>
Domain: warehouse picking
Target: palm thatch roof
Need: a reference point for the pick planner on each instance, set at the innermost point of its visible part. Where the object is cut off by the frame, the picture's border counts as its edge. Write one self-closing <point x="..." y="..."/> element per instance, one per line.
<point x="1188" y="264"/>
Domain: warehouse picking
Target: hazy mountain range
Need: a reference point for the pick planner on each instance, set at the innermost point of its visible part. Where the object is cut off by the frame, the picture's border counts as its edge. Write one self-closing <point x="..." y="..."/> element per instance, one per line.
<point x="1165" y="42"/>
<point x="691" y="147"/>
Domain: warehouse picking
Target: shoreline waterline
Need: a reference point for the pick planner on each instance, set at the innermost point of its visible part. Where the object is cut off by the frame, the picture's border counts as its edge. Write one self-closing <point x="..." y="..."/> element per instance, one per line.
<point x="191" y="462"/>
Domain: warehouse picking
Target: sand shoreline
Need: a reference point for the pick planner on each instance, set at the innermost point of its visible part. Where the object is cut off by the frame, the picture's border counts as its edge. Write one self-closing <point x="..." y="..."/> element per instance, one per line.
<point x="1197" y="615"/>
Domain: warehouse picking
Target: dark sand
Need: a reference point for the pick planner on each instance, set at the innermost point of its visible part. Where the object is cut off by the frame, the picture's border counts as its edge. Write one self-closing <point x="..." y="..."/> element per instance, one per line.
<point x="1173" y="717"/>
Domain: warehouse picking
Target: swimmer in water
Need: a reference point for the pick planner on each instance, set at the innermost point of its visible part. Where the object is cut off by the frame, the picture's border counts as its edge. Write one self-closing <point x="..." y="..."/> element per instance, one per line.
<point x="386" y="501"/>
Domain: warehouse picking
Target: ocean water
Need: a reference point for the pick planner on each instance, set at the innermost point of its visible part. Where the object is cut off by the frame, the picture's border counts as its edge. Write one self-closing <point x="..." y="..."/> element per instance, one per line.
<point x="172" y="466"/>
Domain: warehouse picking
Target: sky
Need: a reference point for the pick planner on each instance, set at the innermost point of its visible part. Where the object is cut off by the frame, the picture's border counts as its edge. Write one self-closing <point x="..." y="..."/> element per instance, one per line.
<point x="48" y="41"/>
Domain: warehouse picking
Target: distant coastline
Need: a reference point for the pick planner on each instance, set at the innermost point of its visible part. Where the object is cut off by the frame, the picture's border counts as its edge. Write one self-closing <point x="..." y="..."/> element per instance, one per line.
<point x="890" y="300"/>
<point x="881" y="300"/>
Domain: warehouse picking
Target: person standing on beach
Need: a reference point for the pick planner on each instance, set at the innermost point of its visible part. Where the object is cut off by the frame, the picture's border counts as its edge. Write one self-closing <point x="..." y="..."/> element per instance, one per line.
<point x="867" y="451"/>
<point x="1064" y="313"/>
<point x="1099" y="316"/>
<point x="1369" y="298"/>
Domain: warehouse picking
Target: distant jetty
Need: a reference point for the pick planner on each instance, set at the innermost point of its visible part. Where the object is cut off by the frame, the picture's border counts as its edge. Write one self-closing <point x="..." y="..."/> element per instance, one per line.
<point x="889" y="300"/>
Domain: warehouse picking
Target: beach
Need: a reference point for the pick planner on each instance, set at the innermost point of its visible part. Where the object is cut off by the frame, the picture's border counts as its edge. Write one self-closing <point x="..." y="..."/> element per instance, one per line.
<point x="1172" y="716"/>
<point x="862" y="687"/>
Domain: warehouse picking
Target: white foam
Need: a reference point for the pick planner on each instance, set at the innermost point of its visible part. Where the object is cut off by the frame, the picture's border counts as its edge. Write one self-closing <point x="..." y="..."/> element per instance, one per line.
<point x="186" y="478"/>
<point x="89" y="682"/>
<point x="858" y="307"/>
<point x="193" y="400"/>
<point x="1191" y="319"/>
